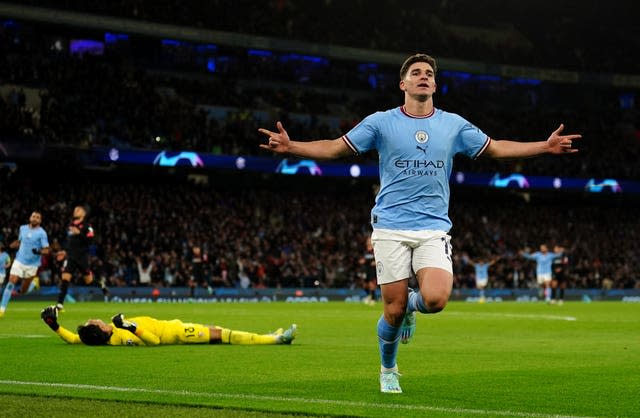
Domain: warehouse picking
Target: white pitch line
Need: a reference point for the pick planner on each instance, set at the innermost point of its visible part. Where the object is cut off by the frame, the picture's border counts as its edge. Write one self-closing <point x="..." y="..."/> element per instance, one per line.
<point x="519" y="316"/>
<point x="23" y="336"/>
<point x="252" y="397"/>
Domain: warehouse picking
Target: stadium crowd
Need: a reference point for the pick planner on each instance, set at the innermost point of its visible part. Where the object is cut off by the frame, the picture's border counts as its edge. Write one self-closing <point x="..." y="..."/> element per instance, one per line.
<point x="55" y="97"/>
<point x="250" y="235"/>
<point x="523" y="33"/>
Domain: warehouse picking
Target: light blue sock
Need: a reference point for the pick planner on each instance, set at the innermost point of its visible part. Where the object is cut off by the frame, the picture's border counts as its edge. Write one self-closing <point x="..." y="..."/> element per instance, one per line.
<point x="31" y="286"/>
<point x="6" y="296"/>
<point x="416" y="303"/>
<point x="388" y="339"/>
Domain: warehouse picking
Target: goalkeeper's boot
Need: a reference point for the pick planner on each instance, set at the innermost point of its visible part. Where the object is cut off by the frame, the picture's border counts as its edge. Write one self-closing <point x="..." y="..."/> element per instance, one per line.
<point x="289" y="335"/>
<point x="277" y="332"/>
<point x="389" y="382"/>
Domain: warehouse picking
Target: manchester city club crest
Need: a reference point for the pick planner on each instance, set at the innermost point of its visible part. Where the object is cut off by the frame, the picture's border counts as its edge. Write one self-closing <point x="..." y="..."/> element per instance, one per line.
<point x="379" y="268"/>
<point x="422" y="137"/>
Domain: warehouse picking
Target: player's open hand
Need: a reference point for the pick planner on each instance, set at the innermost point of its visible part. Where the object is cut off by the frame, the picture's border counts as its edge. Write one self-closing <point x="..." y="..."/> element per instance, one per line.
<point x="278" y="141"/>
<point x="562" y="144"/>
<point x="50" y="316"/>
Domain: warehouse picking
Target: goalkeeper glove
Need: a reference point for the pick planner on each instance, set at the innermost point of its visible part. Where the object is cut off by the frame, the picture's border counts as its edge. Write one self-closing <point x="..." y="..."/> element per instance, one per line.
<point x="50" y="316"/>
<point x="35" y="251"/>
<point x="119" y="321"/>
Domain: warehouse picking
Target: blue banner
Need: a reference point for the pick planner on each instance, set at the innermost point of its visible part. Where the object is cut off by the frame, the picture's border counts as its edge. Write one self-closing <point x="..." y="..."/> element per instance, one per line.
<point x="308" y="167"/>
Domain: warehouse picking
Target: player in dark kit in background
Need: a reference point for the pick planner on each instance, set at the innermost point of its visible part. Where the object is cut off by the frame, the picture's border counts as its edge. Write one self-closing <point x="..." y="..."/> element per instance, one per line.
<point x="559" y="282"/>
<point x="369" y="271"/>
<point x="76" y="254"/>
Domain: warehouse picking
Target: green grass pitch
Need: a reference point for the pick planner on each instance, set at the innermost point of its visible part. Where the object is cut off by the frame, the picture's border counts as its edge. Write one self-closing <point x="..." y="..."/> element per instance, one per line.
<point x="494" y="359"/>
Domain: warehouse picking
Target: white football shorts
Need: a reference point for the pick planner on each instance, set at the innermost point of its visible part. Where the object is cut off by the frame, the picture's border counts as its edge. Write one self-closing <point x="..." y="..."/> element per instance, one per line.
<point x="23" y="271"/>
<point x="544" y="278"/>
<point x="481" y="282"/>
<point x="400" y="253"/>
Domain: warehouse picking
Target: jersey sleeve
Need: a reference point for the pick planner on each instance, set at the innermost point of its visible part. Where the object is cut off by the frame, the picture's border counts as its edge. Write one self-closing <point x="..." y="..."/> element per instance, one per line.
<point x="148" y="337"/>
<point x="124" y="337"/>
<point x="44" y="240"/>
<point x="362" y="137"/>
<point x="473" y="141"/>
<point x="68" y="336"/>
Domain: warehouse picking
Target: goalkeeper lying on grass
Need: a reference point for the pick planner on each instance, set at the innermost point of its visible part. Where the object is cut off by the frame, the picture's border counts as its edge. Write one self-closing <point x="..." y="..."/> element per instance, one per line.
<point x="144" y="330"/>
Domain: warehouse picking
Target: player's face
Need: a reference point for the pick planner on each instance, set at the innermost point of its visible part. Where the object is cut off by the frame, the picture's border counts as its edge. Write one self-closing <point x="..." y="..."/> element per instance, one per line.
<point x="100" y="323"/>
<point x="78" y="213"/>
<point x="35" y="219"/>
<point x="420" y="81"/>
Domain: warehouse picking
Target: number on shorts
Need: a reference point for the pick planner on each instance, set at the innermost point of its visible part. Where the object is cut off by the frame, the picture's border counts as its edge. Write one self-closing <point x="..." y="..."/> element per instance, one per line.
<point x="447" y="248"/>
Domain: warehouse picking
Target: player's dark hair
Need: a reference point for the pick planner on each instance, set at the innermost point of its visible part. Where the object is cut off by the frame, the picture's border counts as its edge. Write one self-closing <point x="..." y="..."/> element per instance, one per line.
<point x="417" y="58"/>
<point x="92" y="335"/>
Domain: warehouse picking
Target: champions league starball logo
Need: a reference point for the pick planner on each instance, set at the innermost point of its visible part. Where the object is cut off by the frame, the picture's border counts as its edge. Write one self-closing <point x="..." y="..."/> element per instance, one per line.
<point x="182" y="158"/>
<point x="299" y="167"/>
<point x="422" y="137"/>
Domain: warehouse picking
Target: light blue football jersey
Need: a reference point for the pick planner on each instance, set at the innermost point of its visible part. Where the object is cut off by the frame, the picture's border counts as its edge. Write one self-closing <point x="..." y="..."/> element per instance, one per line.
<point x="482" y="271"/>
<point x="31" y="238"/>
<point x="415" y="161"/>
<point x="544" y="262"/>
<point x="4" y="256"/>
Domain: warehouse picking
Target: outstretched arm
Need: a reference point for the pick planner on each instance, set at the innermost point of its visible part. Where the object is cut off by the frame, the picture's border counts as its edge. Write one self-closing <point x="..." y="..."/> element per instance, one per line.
<point x="50" y="317"/>
<point x="68" y="336"/>
<point x="325" y="149"/>
<point x="526" y="254"/>
<point x="555" y="144"/>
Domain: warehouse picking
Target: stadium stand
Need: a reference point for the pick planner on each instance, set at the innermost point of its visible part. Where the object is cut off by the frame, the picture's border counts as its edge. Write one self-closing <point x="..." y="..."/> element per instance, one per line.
<point x="255" y="236"/>
<point x="147" y="93"/>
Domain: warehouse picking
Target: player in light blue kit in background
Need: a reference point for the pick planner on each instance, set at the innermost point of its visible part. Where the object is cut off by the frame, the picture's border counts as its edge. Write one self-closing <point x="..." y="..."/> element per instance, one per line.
<point x="416" y="144"/>
<point x="5" y="263"/>
<point x="32" y="243"/>
<point x="481" y="273"/>
<point x="544" y="267"/>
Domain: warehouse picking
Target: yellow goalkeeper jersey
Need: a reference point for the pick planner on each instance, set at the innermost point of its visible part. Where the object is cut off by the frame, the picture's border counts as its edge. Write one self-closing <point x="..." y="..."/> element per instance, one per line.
<point x="150" y="331"/>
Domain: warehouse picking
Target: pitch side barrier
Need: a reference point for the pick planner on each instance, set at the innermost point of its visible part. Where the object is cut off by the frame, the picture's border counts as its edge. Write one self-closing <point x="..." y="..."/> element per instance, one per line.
<point x="308" y="295"/>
